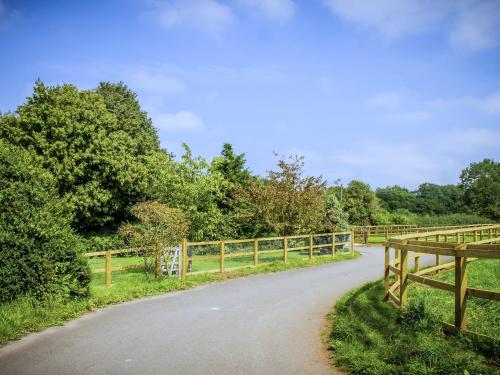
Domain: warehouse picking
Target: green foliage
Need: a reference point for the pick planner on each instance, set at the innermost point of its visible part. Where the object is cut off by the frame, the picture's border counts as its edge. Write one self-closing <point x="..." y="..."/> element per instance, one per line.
<point x="190" y="186"/>
<point x="335" y="217"/>
<point x="158" y="226"/>
<point x="286" y="202"/>
<point x="396" y="197"/>
<point x="93" y="142"/>
<point x="40" y="254"/>
<point x="359" y="202"/>
<point x="439" y="199"/>
<point x="481" y="184"/>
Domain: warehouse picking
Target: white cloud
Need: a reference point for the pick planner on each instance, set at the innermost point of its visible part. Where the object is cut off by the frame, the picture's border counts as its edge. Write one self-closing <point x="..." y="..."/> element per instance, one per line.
<point x="388" y="99"/>
<point x="208" y="16"/>
<point x="414" y="161"/>
<point x="406" y="117"/>
<point x="390" y="18"/>
<point x="489" y="104"/>
<point x="470" y="25"/>
<point x="279" y="10"/>
<point x="155" y="83"/>
<point x="182" y="121"/>
<point x="477" y="25"/>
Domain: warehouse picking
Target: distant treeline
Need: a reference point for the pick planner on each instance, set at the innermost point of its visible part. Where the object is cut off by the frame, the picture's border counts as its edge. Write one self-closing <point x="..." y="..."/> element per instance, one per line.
<point x="74" y="162"/>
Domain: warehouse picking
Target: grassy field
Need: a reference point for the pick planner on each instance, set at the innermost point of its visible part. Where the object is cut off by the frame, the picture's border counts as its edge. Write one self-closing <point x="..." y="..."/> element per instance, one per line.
<point x="370" y="336"/>
<point x="27" y="315"/>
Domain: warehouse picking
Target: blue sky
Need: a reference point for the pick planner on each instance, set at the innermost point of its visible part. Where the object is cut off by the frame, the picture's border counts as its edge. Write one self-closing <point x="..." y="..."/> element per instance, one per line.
<point x="386" y="91"/>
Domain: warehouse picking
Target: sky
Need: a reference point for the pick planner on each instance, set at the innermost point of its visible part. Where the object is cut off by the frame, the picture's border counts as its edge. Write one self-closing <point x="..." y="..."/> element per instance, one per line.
<point x="384" y="91"/>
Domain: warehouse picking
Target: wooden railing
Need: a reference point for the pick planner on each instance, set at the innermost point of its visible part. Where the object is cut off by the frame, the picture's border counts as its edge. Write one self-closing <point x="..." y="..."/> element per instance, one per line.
<point x="216" y="251"/>
<point x="413" y="246"/>
<point x="363" y="232"/>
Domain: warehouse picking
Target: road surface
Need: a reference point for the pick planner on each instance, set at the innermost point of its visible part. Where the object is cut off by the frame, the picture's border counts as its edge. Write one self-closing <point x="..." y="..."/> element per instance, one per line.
<point x="263" y="324"/>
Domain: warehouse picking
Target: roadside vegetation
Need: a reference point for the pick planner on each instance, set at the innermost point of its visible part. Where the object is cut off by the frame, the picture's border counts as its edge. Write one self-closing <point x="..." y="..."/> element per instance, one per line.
<point x="83" y="171"/>
<point x="370" y="336"/>
<point x="28" y="314"/>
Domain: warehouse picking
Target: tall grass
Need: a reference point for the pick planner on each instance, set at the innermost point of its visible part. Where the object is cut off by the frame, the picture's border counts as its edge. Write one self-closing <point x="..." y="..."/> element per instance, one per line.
<point x="370" y="336"/>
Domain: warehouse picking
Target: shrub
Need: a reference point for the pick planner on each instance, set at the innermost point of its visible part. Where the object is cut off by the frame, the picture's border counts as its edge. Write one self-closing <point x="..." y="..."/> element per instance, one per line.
<point x="39" y="253"/>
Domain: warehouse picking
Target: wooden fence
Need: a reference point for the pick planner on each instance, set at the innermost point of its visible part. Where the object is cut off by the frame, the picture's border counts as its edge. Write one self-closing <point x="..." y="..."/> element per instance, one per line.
<point x="413" y="246"/>
<point x="363" y="232"/>
<point x="216" y="251"/>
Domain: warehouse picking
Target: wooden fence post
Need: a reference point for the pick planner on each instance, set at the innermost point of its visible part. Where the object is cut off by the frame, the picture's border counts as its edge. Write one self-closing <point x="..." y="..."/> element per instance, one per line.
<point x="310" y="246"/>
<point x="184" y="259"/>
<point x="108" y="269"/>
<point x="460" y="292"/>
<point x="285" y="249"/>
<point x="221" y="246"/>
<point x="397" y="257"/>
<point x="475" y="235"/>
<point x="333" y="244"/>
<point x="352" y="243"/>
<point x="387" y="260"/>
<point x="255" y="253"/>
<point x="417" y="264"/>
<point x="403" y="287"/>
<point x="157" y="261"/>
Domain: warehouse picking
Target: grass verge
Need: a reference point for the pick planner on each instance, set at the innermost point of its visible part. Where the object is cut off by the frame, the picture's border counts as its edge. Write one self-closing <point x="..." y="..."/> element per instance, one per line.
<point x="370" y="336"/>
<point x="27" y="315"/>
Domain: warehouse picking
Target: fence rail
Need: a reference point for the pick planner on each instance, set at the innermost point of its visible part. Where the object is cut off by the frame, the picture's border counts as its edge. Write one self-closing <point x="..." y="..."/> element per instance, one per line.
<point x="412" y="246"/>
<point x="213" y="254"/>
<point x="363" y="232"/>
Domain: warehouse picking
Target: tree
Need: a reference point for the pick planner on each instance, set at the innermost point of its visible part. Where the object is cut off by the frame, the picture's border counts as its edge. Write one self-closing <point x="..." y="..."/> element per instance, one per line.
<point x="39" y="253"/>
<point x="439" y="199"/>
<point x="190" y="186"/>
<point x="157" y="227"/>
<point x="335" y="217"/>
<point x="232" y="168"/>
<point x="285" y="203"/>
<point x="396" y="197"/>
<point x="359" y="202"/>
<point x="481" y="184"/>
<point x="93" y="142"/>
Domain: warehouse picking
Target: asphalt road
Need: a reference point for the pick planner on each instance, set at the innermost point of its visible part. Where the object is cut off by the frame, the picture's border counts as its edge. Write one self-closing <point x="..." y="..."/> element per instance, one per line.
<point x="264" y="324"/>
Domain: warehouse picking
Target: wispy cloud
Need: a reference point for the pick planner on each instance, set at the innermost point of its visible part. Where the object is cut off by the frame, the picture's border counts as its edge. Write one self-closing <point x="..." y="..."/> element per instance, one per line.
<point x="477" y="25"/>
<point x="413" y="162"/>
<point x="182" y="121"/>
<point x="208" y="16"/>
<point x="279" y="10"/>
<point x="155" y="82"/>
<point x="401" y="107"/>
<point x="390" y="18"/>
<point x="470" y="25"/>
<point x="489" y="104"/>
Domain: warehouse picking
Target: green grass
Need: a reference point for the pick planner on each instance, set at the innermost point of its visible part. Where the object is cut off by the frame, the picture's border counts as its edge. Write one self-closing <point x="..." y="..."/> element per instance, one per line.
<point x="370" y="336"/>
<point x="26" y="315"/>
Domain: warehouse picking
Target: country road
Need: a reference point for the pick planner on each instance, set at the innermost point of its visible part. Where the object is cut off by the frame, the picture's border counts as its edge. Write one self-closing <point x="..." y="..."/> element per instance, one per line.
<point x="263" y="324"/>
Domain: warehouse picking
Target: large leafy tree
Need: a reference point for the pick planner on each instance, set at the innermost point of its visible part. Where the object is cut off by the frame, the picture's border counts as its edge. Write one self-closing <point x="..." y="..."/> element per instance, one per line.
<point x="360" y="202"/>
<point x="439" y="199"/>
<point x="39" y="253"/>
<point x="396" y="197"/>
<point x="284" y="203"/>
<point x="481" y="184"/>
<point x="93" y="142"/>
<point x="232" y="168"/>
<point x="191" y="186"/>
